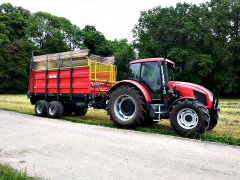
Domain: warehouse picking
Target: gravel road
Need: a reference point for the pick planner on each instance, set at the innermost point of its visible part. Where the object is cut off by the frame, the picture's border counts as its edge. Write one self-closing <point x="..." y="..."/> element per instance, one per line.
<point x="58" y="150"/>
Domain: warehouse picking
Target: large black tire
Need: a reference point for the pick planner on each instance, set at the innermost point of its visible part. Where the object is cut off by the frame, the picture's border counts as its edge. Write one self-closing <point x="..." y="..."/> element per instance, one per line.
<point x="41" y="108"/>
<point x="213" y="121"/>
<point x="189" y="118"/>
<point x="127" y="107"/>
<point x="55" y="109"/>
<point x="80" y="111"/>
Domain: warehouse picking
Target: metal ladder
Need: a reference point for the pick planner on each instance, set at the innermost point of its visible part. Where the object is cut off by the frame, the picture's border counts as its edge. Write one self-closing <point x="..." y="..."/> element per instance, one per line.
<point x="159" y="112"/>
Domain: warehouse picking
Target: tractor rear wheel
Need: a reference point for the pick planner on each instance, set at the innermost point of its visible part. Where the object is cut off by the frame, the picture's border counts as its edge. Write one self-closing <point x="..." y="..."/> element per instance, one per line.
<point x="41" y="108"/>
<point x="189" y="118"/>
<point x="55" y="109"/>
<point x="127" y="107"/>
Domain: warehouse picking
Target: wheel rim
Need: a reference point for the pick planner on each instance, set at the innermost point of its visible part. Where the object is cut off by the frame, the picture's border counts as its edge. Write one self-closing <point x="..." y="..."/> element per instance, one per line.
<point x="187" y="118"/>
<point x="51" y="110"/>
<point x="124" y="107"/>
<point x="39" y="109"/>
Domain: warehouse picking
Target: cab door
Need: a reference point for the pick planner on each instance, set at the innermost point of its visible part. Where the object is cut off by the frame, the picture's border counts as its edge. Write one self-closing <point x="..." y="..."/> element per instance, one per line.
<point x="151" y="79"/>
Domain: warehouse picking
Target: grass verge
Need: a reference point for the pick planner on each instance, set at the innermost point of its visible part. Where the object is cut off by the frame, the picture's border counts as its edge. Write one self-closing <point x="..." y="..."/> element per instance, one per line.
<point x="8" y="173"/>
<point x="227" y="131"/>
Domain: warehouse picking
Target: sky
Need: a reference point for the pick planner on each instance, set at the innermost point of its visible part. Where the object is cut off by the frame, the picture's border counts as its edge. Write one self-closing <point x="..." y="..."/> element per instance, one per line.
<point x="114" y="18"/>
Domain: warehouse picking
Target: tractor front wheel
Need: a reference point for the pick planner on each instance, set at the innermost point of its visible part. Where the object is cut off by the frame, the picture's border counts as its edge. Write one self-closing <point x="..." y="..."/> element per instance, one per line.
<point x="127" y="107"/>
<point x="189" y="118"/>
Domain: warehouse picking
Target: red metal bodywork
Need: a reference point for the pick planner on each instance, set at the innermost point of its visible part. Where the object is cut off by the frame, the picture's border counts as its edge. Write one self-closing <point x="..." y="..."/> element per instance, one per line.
<point x="81" y="83"/>
<point x="187" y="90"/>
<point x="138" y="85"/>
<point x="151" y="60"/>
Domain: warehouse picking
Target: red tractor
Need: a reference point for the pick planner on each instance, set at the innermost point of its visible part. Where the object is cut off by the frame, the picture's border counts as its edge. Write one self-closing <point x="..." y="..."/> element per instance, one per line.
<point x="149" y="94"/>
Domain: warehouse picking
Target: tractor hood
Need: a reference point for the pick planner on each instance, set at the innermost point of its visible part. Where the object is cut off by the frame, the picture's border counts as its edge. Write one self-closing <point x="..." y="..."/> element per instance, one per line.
<point x="194" y="91"/>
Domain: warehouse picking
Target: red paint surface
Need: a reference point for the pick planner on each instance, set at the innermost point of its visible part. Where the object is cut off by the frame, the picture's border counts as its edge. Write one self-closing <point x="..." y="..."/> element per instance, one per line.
<point x="140" y="87"/>
<point x="81" y="83"/>
<point x="187" y="90"/>
<point x="151" y="60"/>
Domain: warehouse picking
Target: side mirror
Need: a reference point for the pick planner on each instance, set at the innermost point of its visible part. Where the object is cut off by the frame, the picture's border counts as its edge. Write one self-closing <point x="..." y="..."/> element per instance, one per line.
<point x="125" y="75"/>
<point x="178" y="69"/>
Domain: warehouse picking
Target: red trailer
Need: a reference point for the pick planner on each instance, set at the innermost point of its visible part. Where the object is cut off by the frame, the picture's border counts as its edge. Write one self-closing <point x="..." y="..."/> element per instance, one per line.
<point x="69" y="82"/>
<point x="71" y="79"/>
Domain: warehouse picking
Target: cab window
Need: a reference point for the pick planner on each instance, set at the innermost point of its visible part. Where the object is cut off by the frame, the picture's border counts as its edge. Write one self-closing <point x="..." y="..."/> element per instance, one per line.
<point x="134" y="71"/>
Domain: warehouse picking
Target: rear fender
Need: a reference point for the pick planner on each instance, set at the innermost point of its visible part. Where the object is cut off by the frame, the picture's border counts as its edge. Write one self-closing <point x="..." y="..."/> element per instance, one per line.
<point x="180" y="99"/>
<point x="133" y="83"/>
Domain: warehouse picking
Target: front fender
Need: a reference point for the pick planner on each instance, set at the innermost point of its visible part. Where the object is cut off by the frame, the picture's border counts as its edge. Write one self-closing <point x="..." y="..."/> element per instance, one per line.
<point x="175" y="102"/>
<point x="136" y="84"/>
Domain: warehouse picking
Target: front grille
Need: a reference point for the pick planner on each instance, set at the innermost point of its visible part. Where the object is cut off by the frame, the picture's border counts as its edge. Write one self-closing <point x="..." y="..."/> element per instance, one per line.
<point x="200" y="97"/>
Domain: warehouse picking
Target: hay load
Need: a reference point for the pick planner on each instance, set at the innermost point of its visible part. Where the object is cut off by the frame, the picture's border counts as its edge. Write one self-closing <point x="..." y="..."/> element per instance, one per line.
<point x="64" y="59"/>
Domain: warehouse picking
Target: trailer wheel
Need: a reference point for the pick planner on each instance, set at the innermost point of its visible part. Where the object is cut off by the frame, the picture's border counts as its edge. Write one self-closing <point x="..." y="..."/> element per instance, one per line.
<point x="80" y="111"/>
<point x="41" y="108"/>
<point x="55" y="109"/>
<point x="127" y="107"/>
<point x="189" y="118"/>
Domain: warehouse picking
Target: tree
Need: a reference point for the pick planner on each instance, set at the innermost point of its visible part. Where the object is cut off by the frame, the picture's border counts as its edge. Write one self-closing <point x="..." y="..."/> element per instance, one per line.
<point x="203" y="40"/>
<point x="123" y="53"/>
<point x="14" y="49"/>
<point x="54" y="34"/>
<point x="96" y="42"/>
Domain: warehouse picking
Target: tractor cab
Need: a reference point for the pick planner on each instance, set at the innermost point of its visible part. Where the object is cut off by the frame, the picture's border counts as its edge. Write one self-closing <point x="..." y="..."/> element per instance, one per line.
<point x="152" y="74"/>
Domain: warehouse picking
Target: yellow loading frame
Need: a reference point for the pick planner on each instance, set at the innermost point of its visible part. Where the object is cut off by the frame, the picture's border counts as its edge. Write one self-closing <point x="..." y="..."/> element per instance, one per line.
<point x="102" y="72"/>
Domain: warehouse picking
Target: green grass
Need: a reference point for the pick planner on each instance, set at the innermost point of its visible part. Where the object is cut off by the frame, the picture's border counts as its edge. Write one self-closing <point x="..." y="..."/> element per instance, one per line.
<point x="227" y="131"/>
<point x="8" y="173"/>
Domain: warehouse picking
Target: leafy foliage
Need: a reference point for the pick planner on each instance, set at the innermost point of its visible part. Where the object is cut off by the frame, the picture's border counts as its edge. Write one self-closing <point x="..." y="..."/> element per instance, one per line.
<point x="8" y="173"/>
<point x="96" y="42"/>
<point x="203" y="40"/>
<point x="15" y="48"/>
<point x="123" y="53"/>
<point x="21" y="32"/>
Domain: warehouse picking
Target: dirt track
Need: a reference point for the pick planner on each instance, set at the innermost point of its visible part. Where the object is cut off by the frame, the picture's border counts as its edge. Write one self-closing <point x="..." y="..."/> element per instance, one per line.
<point x="63" y="150"/>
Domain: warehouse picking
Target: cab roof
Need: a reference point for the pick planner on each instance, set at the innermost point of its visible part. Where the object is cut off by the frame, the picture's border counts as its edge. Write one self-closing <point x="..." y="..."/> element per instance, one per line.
<point x="151" y="60"/>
